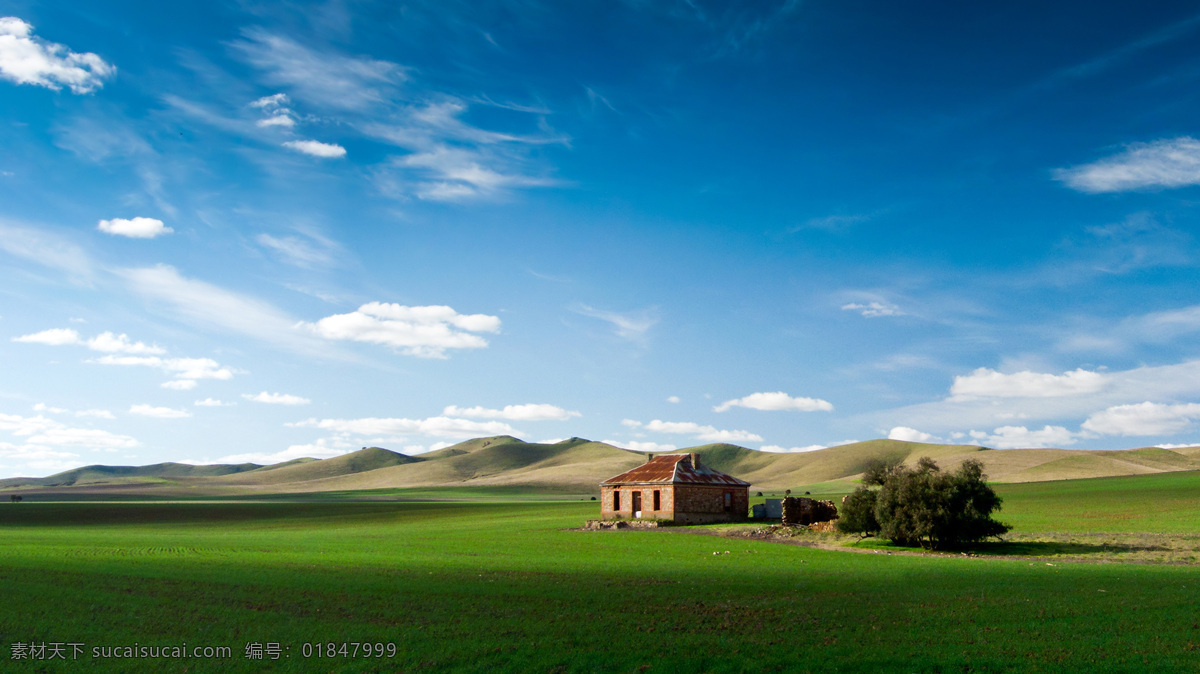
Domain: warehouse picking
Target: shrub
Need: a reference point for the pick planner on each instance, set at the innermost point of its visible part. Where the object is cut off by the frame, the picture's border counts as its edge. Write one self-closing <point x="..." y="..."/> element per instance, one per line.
<point x="858" y="513"/>
<point x="927" y="507"/>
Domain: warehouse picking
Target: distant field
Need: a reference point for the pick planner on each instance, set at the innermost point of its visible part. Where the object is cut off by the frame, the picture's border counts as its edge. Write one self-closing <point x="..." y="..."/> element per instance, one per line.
<point x="487" y="585"/>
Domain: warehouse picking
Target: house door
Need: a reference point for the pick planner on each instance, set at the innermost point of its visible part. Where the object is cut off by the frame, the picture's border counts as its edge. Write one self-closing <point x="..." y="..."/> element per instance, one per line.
<point x="637" y="504"/>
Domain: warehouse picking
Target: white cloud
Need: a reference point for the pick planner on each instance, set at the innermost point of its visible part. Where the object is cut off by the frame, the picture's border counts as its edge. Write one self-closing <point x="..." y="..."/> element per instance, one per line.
<point x="910" y="435"/>
<point x="1168" y="163"/>
<point x="97" y="414"/>
<point x="320" y="78"/>
<point x="704" y="433"/>
<point x="1145" y="418"/>
<point x="182" y="368"/>
<point x="986" y="383"/>
<point x="212" y="402"/>
<point x="316" y="148"/>
<point x="26" y="59"/>
<point x="454" y="174"/>
<point x="159" y="412"/>
<point x="276" y="109"/>
<point x="43" y="407"/>
<point x="1168" y="445"/>
<point x="179" y="384"/>
<point x="442" y="427"/>
<point x="276" y="398"/>
<point x="776" y="401"/>
<point x="105" y="342"/>
<point x="42" y="431"/>
<point x="316" y="251"/>
<point x="46" y="249"/>
<point x="673" y="399"/>
<point x="632" y="326"/>
<point x="874" y="309"/>
<point x="776" y="449"/>
<point x="323" y="448"/>
<point x="211" y="306"/>
<point x="631" y="423"/>
<point x="640" y="446"/>
<point x="51" y="337"/>
<point x="425" y="332"/>
<point x="528" y="412"/>
<point x="1020" y="437"/>
<point x="136" y="228"/>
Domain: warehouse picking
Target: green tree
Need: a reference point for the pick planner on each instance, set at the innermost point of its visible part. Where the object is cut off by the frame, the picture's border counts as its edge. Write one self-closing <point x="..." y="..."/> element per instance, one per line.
<point x="857" y="515"/>
<point x="925" y="506"/>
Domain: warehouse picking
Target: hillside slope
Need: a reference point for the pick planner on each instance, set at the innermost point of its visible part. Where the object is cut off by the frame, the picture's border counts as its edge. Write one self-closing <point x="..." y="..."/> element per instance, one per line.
<point x="578" y="465"/>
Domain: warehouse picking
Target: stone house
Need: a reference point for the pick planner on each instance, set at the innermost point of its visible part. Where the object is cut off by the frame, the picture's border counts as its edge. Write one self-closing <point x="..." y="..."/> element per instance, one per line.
<point x="675" y="487"/>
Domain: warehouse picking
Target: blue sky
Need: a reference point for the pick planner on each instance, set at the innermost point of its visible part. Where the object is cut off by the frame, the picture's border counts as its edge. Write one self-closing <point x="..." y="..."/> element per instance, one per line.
<point x="258" y="231"/>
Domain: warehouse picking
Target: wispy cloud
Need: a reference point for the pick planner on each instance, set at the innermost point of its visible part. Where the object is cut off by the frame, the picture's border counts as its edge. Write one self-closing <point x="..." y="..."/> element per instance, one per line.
<point x="214" y="307"/>
<point x="873" y="309"/>
<point x="159" y="412"/>
<point x="46" y="249"/>
<point x="323" y="78"/>
<point x="28" y="59"/>
<point x="1165" y="163"/>
<point x="632" y="326"/>
<point x="700" y="432"/>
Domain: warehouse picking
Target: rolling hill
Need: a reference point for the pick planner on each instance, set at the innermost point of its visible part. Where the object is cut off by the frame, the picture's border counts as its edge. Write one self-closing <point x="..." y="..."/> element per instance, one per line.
<point x="578" y="465"/>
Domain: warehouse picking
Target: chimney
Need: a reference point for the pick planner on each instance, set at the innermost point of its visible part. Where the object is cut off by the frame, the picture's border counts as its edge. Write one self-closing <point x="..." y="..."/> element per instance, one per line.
<point x="649" y="458"/>
<point x="695" y="462"/>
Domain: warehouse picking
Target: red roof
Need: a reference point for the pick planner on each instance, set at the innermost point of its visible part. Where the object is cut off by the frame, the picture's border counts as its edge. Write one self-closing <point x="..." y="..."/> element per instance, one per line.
<point x="675" y="469"/>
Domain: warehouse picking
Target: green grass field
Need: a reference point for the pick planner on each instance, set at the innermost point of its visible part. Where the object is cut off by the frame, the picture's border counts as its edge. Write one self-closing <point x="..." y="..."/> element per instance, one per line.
<point x="501" y="582"/>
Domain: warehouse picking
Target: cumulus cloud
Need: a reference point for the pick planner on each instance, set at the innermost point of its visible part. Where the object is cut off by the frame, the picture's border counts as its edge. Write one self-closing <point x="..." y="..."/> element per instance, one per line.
<point x="673" y="399"/>
<point x="158" y="412"/>
<point x="424" y="332"/>
<point x="179" y="384"/>
<point x="987" y="383"/>
<point x="873" y="309"/>
<point x="276" y="398"/>
<point x="277" y="112"/>
<point x="135" y="228"/>
<point x="640" y="446"/>
<point x="776" y="449"/>
<point x="98" y="414"/>
<point x="442" y="427"/>
<point x="27" y="59"/>
<point x="105" y="342"/>
<point x="703" y="433"/>
<point x="212" y="402"/>
<point x="1145" y="418"/>
<point x="910" y="435"/>
<point x="316" y="148"/>
<point x="1020" y="437"/>
<point x="528" y="412"/>
<point x="776" y="401"/>
<point x="1167" y="163"/>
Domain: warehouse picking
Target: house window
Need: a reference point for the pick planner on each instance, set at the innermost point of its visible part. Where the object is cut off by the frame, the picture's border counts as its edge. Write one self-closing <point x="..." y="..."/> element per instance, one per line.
<point x="616" y="501"/>
<point x="728" y="501"/>
<point x="657" y="500"/>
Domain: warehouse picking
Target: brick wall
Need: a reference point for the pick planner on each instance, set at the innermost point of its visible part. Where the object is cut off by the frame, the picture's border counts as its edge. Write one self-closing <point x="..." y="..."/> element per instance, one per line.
<point x="666" y="502"/>
<point x="682" y="503"/>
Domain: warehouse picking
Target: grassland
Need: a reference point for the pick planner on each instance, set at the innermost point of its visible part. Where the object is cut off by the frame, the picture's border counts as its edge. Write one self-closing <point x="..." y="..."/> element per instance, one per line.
<point x="505" y="584"/>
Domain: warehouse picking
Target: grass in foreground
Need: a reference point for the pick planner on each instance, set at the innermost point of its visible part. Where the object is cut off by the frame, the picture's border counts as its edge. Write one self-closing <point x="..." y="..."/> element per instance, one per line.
<point x="480" y="587"/>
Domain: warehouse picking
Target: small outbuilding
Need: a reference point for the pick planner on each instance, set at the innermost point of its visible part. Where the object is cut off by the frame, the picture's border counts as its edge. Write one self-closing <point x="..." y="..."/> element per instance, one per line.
<point x="675" y="487"/>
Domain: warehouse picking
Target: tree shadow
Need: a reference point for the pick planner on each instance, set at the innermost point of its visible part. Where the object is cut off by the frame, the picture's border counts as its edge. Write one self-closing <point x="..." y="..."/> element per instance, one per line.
<point x="1054" y="548"/>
